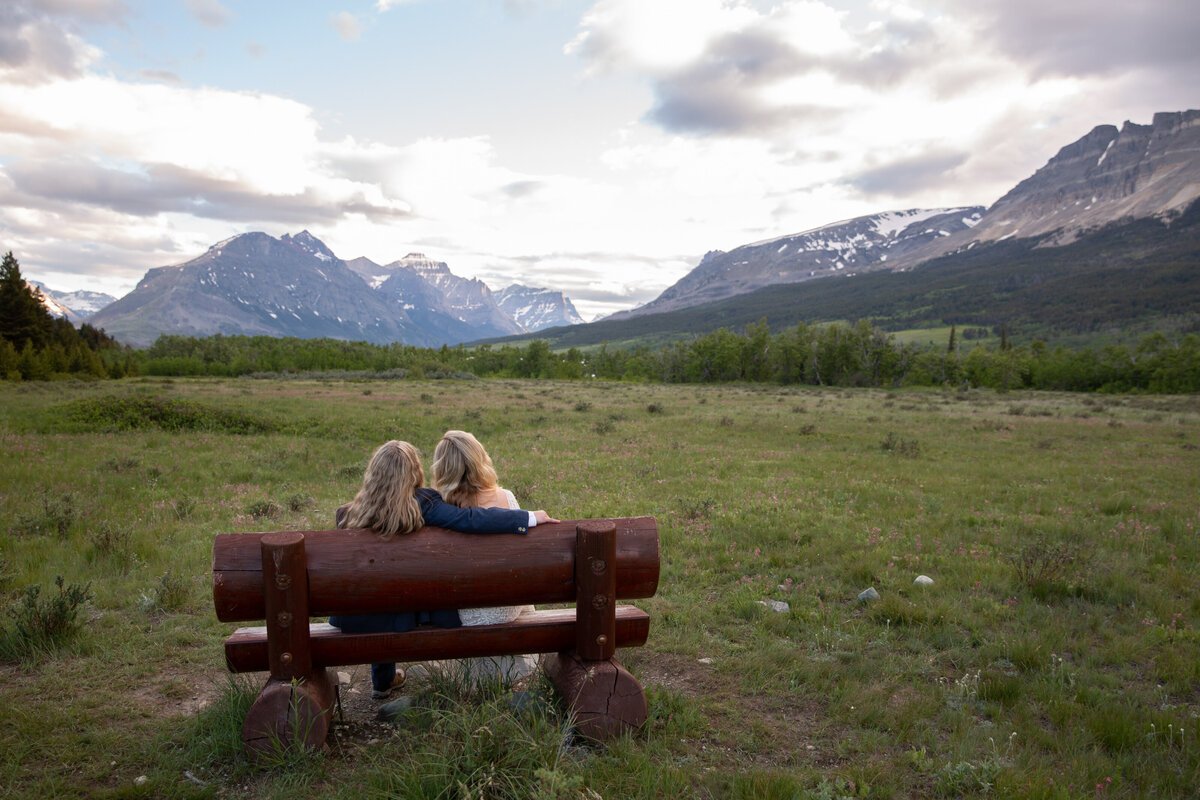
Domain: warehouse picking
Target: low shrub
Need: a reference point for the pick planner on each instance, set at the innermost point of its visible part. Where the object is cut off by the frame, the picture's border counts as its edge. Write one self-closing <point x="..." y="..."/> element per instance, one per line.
<point x="909" y="448"/>
<point x="300" y="501"/>
<point x="112" y="542"/>
<point x="263" y="508"/>
<point x="1040" y="563"/>
<point x="58" y="514"/>
<point x="169" y="594"/>
<point x="44" y="622"/>
<point x="183" y="507"/>
<point x="115" y="413"/>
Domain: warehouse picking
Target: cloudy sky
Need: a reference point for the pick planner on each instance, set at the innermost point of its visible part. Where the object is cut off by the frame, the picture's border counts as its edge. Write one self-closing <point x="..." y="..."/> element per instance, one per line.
<point x="599" y="147"/>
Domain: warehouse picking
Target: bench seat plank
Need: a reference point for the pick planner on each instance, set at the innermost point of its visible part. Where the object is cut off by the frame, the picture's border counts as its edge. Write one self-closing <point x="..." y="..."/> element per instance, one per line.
<point x="356" y="572"/>
<point x="539" y="631"/>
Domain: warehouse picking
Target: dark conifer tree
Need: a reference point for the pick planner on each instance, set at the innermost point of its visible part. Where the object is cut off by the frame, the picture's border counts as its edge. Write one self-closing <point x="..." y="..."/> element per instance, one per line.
<point x="22" y="316"/>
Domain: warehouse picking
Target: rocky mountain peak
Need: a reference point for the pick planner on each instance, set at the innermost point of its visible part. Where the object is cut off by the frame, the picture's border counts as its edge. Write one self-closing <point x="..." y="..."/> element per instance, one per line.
<point x="1107" y="175"/>
<point x="537" y="308"/>
<point x="422" y="263"/>
<point x="310" y="244"/>
<point x="841" y="248"/>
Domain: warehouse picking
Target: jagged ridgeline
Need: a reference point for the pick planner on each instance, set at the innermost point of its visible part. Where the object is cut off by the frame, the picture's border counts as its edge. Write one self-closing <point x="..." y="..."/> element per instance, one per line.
<point x="256" y="284"/>
<point x="1114" y="285"/>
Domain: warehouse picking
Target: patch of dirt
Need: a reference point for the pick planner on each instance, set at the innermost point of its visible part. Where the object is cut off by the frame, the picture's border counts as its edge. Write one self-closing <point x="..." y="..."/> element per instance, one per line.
<point x="783" y="734"/>
<point x="743" y="728"/>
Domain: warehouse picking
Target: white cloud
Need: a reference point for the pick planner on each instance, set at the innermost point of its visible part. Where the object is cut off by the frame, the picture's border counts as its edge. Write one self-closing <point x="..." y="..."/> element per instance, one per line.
<point x="892" y="103"/>
<point x="655" y="37"/>
<point x="348" y="28"/>
<point x="36" y="47"/>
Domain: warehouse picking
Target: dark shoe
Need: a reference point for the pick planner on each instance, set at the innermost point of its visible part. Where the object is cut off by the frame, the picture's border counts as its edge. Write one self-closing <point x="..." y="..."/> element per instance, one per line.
<point x="397" y="682"/>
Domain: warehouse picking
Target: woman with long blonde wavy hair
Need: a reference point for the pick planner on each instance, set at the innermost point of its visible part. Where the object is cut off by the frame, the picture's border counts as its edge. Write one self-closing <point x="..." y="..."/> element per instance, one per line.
<point x="464" y="475"/>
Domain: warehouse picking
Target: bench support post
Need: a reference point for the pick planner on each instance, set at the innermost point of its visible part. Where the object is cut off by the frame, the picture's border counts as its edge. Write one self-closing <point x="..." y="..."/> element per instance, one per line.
<point x="293" y="709"/>
<point x="595" y="589"/>
<point x="605" y="699"/>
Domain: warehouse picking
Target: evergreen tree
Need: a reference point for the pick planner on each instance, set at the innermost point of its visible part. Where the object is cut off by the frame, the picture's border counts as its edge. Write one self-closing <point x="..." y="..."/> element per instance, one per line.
<point x="10" y="361"/>
<point x="22" y="317"/>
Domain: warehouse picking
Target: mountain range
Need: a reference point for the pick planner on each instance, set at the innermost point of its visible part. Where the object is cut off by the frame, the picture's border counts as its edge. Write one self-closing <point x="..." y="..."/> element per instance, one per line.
<point x="256" y="284"/>
<point x="1115" y="199"/>
<point x="75" y="306"/>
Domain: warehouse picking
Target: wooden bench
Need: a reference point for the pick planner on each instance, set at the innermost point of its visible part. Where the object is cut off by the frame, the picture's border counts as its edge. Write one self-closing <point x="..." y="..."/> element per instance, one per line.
<point x="287" y="577"/>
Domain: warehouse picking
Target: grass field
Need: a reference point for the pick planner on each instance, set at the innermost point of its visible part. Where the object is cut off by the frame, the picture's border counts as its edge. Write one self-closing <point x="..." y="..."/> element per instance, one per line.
<point x="1055" y="655"/>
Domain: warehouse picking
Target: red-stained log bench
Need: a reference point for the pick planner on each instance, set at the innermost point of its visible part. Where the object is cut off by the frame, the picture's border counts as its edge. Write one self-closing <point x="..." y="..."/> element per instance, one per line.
<point x="286" y="578"/>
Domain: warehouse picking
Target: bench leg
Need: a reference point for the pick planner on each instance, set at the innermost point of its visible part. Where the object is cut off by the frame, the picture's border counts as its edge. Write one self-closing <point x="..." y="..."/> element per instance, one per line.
<point x="287" y="714"/>
<point x="606" y="700"/>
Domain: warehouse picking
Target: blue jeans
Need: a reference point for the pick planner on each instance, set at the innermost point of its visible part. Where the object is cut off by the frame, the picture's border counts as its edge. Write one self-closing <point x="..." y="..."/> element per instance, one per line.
<point x="382" y="675"/>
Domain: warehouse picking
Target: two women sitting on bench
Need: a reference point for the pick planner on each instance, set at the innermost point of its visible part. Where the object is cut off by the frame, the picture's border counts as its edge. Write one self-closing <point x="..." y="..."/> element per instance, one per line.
<point x="393" y="500"/>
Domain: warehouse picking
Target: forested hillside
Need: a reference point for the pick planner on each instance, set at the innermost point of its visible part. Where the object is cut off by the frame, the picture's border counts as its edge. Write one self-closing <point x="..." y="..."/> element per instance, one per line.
<point x="37" y="346"/>
<point x="1114" y="285"/>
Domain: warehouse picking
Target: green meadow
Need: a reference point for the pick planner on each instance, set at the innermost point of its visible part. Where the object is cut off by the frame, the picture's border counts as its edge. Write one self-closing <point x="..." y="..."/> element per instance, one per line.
<point x="1056" y="653"/>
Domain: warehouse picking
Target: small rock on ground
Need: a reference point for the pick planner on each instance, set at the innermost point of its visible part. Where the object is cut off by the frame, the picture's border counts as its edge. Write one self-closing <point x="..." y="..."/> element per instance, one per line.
<point x="394" y="710"/>
<point x="778" y="606"/>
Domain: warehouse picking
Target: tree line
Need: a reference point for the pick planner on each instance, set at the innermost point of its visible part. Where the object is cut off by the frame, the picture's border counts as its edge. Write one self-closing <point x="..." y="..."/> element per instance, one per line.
<point x="818" y="355"/>
<point x="34" y="345"/>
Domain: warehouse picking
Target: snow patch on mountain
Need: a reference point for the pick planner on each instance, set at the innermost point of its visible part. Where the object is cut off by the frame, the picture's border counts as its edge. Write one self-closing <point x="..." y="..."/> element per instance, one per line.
<point x="537" y="308"/>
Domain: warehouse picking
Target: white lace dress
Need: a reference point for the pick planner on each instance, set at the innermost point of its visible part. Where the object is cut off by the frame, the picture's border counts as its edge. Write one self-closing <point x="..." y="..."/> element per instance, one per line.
<point x="509" y="668"/>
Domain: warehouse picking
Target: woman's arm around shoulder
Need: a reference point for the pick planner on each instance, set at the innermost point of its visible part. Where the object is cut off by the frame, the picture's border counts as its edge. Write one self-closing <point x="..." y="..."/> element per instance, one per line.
<point x="439" y="513"/>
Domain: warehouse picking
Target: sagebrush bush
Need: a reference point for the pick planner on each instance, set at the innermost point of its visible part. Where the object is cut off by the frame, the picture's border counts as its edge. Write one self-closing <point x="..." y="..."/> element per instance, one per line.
<point x="263" y="508"/>
<point x="909" y="448"/>
<point x="45" y="621"/>
<point x="300" y="501"/>
<point x="1040" y="563"/>
<point x="183" y="507"/>
<point x="57" y="514"/>
<point x="112" y="542"/>
<point x="169" y="594"/>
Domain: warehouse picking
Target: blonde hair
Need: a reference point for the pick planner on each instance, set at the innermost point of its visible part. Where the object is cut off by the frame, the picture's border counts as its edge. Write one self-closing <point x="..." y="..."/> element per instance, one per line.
<point x="462" y="468"/>
<point x="387" y="501"/>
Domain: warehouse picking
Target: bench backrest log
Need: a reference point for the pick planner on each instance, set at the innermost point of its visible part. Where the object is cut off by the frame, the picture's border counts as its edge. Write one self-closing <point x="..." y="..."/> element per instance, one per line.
<point x="357" y="572"/>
